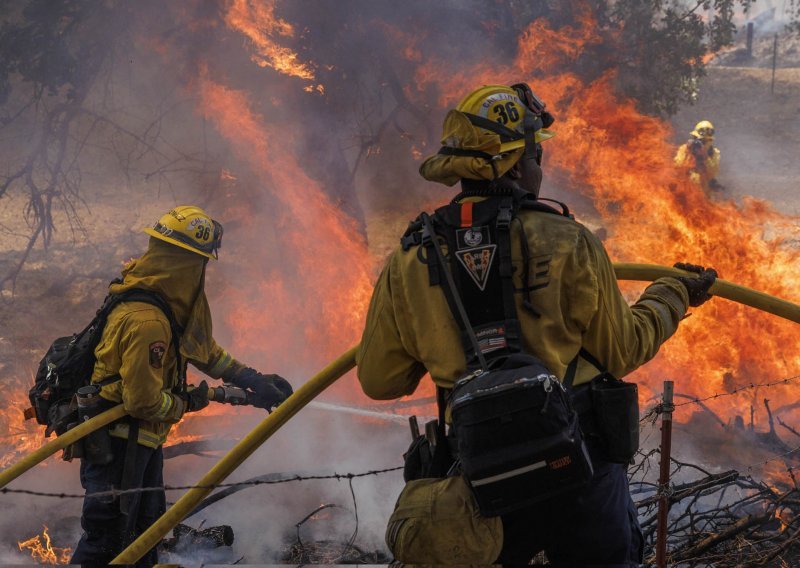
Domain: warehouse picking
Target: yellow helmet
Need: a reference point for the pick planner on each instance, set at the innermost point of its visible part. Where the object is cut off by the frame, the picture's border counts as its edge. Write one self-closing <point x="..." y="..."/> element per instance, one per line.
<point x="703" y="129"/>
<point x="190" y="228"/>
<point x="493" y="105"/>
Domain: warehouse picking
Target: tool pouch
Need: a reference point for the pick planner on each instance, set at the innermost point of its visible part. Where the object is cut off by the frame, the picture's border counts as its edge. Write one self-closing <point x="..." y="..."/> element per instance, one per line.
<point x="96" y="445"/>
<point x="615" y="405"/>
<point x="519" y="442"/>
<point x="423" y="460"/>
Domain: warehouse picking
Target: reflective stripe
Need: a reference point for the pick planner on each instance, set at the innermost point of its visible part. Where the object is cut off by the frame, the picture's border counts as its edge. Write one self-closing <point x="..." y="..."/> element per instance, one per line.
<point x="222" y="363"/>
<point x="166" y="405"/>
<point x="146" y="437"/>
<point x="506" y="475"/>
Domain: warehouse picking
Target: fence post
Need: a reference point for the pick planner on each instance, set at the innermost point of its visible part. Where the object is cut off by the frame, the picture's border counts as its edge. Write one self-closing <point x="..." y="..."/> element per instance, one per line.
<point x="663" y="479"/>
<point x="750" y="40"/>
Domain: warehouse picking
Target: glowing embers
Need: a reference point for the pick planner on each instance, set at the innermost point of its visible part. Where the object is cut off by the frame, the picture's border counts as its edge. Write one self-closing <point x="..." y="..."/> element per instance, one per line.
<point x="43" y="551"/>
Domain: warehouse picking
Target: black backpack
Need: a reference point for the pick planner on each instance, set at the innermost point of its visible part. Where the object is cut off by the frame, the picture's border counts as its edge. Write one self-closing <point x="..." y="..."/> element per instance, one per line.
<point x="69" y="363"/>
<point x="516" y="431"/>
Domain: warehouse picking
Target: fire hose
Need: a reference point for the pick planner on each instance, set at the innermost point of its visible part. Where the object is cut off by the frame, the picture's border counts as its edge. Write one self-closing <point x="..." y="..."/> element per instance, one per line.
<point x="345" y="362"/>
<point x="234" y="458"/>
<point x="225" y="394"/>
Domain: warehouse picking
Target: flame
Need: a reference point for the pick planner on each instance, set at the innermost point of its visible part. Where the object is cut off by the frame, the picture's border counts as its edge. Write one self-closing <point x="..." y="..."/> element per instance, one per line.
<point x="608" y="151"/>
<point x="42" y="550"/>
<point x="20" y="436"/>
<point x="259" y="24"/>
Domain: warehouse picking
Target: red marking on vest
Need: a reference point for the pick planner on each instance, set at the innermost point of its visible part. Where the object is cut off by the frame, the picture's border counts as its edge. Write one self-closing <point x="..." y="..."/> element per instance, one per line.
<point x="466" y="214"/>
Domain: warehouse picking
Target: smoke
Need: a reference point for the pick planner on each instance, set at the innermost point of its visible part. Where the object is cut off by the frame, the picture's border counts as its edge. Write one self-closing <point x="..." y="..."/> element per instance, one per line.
<point x="314" y="186"/>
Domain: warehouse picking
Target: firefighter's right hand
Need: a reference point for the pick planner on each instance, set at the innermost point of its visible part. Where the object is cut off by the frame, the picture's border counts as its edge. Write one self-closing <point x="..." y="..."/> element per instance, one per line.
<point x="196" y="397"/>
<point x="697" y="288"/>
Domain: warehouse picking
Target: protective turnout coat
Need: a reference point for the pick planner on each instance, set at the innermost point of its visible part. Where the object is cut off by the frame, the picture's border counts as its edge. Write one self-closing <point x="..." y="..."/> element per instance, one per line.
<point x="137" y="341"/>
<point x="410" y="329"/>
<point x="702" y="164"/>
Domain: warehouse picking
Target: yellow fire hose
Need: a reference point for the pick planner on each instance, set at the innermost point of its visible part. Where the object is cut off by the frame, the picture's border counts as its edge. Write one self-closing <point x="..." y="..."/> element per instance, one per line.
<point x="721" y="288"/>
<point x="70" y="437"/>
<point x="344" y="363"/>
<point x="318" y="383"/>
<point x="234" y="458"/>
<point x="61" y="442"/>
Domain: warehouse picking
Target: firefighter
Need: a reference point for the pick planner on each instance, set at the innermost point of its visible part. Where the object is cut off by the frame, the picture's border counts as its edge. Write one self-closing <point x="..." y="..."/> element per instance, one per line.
<point x="700" y="157"/>
<point x="137" y="346"/>
<point x="567" y="302"/>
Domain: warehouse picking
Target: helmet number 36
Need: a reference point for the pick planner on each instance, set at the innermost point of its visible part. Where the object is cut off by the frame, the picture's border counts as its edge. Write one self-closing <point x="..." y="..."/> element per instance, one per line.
<point x="203" y="232"/>
<point x="506" y="112"/>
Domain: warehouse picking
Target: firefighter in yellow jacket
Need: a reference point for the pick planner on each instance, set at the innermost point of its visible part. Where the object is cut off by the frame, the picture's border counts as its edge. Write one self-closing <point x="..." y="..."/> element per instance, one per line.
<point x="700" y="157"/>
<point x="137" y="364"/>
<point x="562" y="272"/>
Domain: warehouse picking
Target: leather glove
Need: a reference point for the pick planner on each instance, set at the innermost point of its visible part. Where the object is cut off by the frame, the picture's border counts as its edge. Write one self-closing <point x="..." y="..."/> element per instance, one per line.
<point x="715" y="185"/>
<point x="697" y="287"/>
<point x="196" y="398"/>
<point x="269" y="390"/>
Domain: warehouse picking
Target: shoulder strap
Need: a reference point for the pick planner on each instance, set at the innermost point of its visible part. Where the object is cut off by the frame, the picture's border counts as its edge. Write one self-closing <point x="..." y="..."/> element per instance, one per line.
<point x="155" y="299"/>
<point x="454" y="301"/>
<point x="569" y="375"/>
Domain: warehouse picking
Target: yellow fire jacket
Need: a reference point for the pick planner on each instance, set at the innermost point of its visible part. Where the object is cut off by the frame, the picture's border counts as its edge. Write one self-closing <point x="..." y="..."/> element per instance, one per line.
<point x="703" y="166"/>
<point x="137" y="341"/>
<point x="137" y="345"/>
<point x="410" y="329"/>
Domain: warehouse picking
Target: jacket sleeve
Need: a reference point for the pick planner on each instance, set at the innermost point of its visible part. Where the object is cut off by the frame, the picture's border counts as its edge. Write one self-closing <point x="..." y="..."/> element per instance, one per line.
<point x="385" y="368"/>
<point x="220" y="364"/>
<point x="623" y="337"/>
<point x="142" y="372"/>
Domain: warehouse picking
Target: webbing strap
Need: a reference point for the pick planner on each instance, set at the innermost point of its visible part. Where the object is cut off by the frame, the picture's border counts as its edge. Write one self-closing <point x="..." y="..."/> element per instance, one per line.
<point x="506" y="270"/>
<point x="572" y="368"/>
<point x="129" y="467"/>
<point x="430" y="240"/>
<point x="506" y="134"/>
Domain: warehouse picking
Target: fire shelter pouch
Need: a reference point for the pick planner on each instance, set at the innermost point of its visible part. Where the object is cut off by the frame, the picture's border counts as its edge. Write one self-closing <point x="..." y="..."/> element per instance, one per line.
<point x="517" y="435"/>
<point x="436" y="521"/>
<point x="615" y="405"/>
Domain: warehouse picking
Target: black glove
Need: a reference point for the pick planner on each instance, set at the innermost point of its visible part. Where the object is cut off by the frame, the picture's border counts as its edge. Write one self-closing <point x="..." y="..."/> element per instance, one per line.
<point x="715" y="185"/>
<point x="696" y="146"/>
<point x="196" y="398"/>
<point x="269" y="390"/>
<point x="697" y="287"/>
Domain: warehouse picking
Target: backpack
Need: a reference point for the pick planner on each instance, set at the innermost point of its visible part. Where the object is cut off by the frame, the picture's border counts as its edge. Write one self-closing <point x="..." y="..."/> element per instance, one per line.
<point x="516" y="432"/>
<point x="69" y="363"/>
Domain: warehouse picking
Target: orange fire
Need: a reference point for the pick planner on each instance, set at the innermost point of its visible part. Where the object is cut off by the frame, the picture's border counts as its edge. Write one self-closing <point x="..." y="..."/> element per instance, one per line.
<point x="259" y="24"/>
<point x="42" y="550"/>
<point x="608" y="151"/>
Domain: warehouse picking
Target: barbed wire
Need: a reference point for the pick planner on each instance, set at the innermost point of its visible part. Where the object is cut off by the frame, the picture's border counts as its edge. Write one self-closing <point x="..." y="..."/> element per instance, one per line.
<point x="118" y="492"/>
<point x="740" y="389"/>
<point x="653" y="413"/>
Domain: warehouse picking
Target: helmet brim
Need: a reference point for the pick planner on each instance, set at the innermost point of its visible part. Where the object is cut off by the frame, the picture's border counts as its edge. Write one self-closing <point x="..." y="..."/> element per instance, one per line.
<point x="177" y="243"/>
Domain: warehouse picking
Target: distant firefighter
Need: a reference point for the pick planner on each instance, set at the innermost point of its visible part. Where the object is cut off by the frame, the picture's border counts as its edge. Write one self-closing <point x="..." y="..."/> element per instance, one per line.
<point x="700" y="157"/>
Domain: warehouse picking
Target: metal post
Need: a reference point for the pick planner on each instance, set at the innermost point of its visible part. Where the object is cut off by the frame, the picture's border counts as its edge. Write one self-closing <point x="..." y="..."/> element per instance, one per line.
<point x="750" y="40"/>
<point x="663" y="479"/>
<point x="774" y="63"/>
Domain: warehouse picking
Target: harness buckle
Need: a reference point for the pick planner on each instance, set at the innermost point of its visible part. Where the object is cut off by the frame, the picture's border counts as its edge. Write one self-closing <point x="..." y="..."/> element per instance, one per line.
<point x="504" y="216"/>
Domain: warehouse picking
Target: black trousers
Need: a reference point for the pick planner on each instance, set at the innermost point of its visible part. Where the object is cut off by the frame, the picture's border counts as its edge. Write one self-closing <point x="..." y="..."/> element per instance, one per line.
<point x="596" y="526"/>
<point x="107" y="530"/>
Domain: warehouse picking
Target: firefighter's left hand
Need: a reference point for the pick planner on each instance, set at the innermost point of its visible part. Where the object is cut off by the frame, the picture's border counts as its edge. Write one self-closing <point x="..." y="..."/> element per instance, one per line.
<point x="269" y="390"/>
<point x="196" y="397"/>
